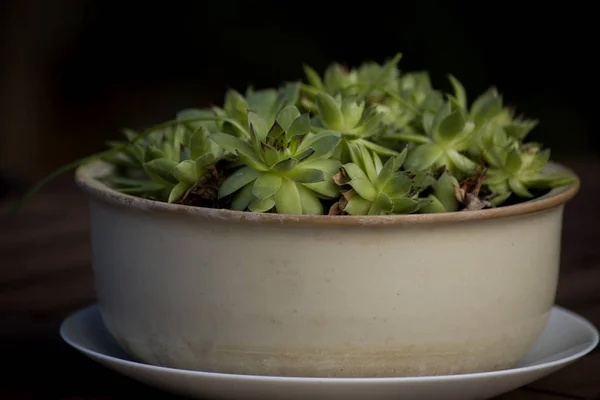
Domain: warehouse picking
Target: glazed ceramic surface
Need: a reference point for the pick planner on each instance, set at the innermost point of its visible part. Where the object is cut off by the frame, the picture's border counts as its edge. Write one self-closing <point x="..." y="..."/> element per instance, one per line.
<point x="266" y="294"/>
<point x="566" y="338"/>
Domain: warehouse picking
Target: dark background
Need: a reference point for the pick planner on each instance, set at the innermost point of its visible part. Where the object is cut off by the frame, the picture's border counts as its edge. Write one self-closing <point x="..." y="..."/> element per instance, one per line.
<point x="74" y="72"/>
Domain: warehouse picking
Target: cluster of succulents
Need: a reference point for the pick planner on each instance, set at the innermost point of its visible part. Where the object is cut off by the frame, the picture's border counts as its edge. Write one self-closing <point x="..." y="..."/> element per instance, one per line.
<point x="370" y="140"/>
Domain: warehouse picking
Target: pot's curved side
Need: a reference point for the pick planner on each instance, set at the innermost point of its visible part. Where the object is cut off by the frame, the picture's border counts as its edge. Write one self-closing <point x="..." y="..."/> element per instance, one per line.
<point x="289" y="299"/>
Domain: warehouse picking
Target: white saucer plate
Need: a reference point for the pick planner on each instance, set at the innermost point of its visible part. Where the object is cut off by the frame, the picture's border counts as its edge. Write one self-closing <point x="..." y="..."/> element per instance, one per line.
<point x="566" y="338"/>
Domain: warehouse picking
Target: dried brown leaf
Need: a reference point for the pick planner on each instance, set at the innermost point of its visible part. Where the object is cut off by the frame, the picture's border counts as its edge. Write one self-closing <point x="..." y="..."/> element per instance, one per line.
<point x="341" y="178"/>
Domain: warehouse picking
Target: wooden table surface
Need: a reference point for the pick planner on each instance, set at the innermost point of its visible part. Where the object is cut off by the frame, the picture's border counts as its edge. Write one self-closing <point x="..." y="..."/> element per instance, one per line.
<point x="45" y="275"/>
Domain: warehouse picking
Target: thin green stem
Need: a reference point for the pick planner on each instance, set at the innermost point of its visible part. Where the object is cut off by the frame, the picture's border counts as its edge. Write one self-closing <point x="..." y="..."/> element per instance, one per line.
<point x="408" y="137"/>
<point x="116" y="150"/>
<point x="384" y="151"/>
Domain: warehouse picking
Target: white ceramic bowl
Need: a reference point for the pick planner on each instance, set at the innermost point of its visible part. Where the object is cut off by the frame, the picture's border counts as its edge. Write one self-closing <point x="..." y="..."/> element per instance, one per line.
<point x="336" y="296"/>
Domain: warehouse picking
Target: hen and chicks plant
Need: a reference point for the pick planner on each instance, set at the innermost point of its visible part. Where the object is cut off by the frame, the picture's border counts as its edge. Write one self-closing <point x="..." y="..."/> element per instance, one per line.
<point x="370" y="140"/>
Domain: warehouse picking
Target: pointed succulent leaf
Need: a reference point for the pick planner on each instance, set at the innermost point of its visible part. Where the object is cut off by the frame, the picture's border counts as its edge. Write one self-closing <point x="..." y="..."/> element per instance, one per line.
<point x="514" y="161"/>
<point x="500" y="198"/>
<point x="434" y="206"/>
<point x="203" y="162"/>
<point x="313" y="77"/>
<point x="191" y="117"/>
<point x="358" y="206"/>
<point x="262" y="205"/>
<point x="237" y="180"/>
<point x="130" y="134"/>
<point x="300" y="126"/>
<point x="459" y="91"/>
<point x="454" y="103"/>
<point x="242" y="199"/>
<point x="305" y="175"/>
<point x="327" y="188"/>
<point x="288" y="95"/>
<point x="235" y="105"/>
<point x="427" y="118"/>
<point x="199" y="143"/>
<point x="540" y="159"/>
<point x="369" y="124"/>
<point x="186" y="172"/>
<point x="270" y="156"/>
<point x="486" y="107"/>
<point x="374" y="209"/>
<point x="286" y="116"/>
<point x="364" y="188"/>
<point x="385" y="174"/>
<point x="354" y="171"/>
<point x="519" y="129"/>
<point x="169" y="152"/>
<point x="258" y="126"/>
<point x="241" y="148"/>
<point x="311" y="205"/>
<point x="449" y="128"/>
<point x="384" y="203"/>
<point x="262" y="103"/>
<point x="336" y="78"/>
<point x="398" y="186"/>
<point x="518" y="188"/>
<point x="500" y="187"/>
<point x="405" y="205"/>
<point x="460" y="161"/>
<point x="178" y="191"/>
<point x="367" y="163"/>
<point x="154" y="152"/>
<point x="253" y="161"/>
<point x="400" y="158"/>
<point x="285" y="165"/>
<point x="445" y="193"/>
<point x="329" y="112"/>
<point x="287" y="198"/>
<point x="266" y="185"/>
<point x="495" y="177"/>
<point x="352" y="111"/>
<point x="161" y="169"/>
<point x="439" y="117"/>
<point x="328" y="165"/>
<point x="549" y="181"/>
<point x="353" y="152"/>
<point x="379" y="149"/>
<point x="378" y="163"/>
<point x="422" y="180"/>
<point x="423" y="156"/>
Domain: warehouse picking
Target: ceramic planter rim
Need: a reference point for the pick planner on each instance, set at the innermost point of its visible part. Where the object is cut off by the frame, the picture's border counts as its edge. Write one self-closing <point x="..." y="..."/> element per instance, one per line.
<point x="86" y="178"/>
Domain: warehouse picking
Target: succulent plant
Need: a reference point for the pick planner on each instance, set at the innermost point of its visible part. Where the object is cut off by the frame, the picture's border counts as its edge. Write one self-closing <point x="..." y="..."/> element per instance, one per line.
<point x="286" y="167"/>
<point x="374" y="188"/>
<point x="371" y="140"/>
<point x="444" y="194"/>
<point x="448" y="135"/>
<point x="487" y="113"/>
<point x="515" y="168"/>
<point x="355" y="123"/>
<point x="369" y="80"/>
<point x="403" y="105"/>
<point x="168" y="164"/>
